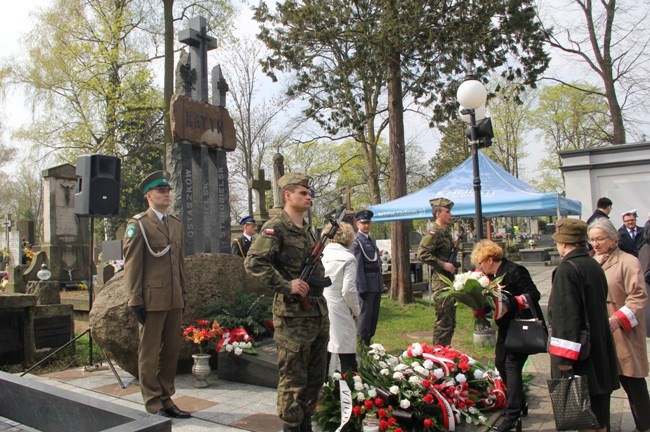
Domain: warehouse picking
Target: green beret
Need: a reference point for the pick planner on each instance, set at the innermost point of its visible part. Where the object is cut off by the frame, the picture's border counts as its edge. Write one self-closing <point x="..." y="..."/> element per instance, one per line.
<point x="570" y="231"/>
<point x="294" y="179"/>
<point x="441" y="202"/>
<point x="158" y="179"/>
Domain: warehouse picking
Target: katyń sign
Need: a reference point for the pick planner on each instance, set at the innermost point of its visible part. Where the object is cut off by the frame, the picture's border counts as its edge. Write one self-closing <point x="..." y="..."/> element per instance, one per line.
<point x="202" y="124"/>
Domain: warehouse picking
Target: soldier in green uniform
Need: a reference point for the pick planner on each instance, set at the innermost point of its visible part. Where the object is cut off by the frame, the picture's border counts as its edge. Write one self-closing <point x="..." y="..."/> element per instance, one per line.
<point x="154" y="271"/>
<point x="276" y="258"/>
<point x="435" y="249"/>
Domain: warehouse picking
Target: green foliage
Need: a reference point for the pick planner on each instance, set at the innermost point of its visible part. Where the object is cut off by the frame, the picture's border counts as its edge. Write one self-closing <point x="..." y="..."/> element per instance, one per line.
<point x="249" y="311"/>
<point x="453" y="150"/>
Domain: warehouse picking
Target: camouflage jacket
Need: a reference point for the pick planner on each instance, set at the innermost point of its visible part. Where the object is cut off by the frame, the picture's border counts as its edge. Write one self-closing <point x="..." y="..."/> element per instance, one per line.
<point x="277" y="257"/>
<point x="434" y="250"/>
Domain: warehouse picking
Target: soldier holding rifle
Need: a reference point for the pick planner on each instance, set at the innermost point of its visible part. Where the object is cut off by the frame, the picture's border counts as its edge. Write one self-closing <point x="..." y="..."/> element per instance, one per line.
<point x="436" y="250"/>
<point x="301" y="327"/>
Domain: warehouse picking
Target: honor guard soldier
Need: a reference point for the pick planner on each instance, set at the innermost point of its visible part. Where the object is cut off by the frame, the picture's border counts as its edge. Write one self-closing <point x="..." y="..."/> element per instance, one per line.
<point x="370" y="283"/>
<point x="241" y="245"/>
<point x="435" y="250"/>
<point x="301" y="330"/>
<point x="154" y="270"/>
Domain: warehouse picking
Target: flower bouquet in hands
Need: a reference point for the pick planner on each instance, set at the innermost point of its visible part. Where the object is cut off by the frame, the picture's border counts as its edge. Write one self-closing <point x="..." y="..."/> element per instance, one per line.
<point x="475" y="290"/>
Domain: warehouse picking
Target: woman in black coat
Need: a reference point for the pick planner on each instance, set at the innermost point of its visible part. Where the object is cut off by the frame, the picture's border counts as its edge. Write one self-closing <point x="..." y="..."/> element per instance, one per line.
<point x="520" y="298"/>
<point x="580" y="277"/>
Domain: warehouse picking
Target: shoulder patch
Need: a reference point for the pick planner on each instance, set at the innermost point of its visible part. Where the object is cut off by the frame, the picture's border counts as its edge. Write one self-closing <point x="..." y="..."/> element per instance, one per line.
<point x="130" y="231"/>
<point x="432" y="233"/>
<point x="269" y="231"/>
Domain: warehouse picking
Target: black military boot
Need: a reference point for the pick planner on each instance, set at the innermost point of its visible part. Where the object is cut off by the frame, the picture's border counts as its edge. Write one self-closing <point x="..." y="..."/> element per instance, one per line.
<point x="287" y="428"/>
<point x="305" y="426"/>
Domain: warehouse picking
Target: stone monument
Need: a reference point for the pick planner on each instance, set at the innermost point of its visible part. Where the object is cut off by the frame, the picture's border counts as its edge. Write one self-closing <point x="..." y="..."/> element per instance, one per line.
<point x="278" y="171"/>
<point x="260" y="186"/>
<point x="202" y="132"/>
<point x="66" y="240"/>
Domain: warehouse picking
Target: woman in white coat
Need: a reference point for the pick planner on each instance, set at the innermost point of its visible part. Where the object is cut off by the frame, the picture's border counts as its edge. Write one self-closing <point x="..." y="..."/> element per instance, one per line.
<point x="342" y="298"/>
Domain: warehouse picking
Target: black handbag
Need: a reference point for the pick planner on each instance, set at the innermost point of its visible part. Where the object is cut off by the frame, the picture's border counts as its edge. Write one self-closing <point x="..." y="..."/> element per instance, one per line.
<point x="527" y="336"/>
<point x="571" y="403"/>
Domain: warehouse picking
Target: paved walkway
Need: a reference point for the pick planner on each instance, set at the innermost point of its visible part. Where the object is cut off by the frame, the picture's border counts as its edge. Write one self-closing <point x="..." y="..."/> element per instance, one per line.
<point x="228" y="406"/>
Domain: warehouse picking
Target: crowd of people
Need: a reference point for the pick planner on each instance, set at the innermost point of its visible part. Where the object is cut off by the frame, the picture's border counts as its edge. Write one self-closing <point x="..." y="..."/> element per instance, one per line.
<point x="597" y="314"/>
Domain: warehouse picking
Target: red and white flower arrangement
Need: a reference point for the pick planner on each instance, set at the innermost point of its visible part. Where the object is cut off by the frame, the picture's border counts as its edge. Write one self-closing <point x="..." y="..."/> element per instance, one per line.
<point x="427" y="388"/>
<point x="208" y="336"/>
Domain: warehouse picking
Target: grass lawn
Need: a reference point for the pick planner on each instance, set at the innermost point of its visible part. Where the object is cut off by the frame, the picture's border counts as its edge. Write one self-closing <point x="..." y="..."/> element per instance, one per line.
<point x="399" y="326"/>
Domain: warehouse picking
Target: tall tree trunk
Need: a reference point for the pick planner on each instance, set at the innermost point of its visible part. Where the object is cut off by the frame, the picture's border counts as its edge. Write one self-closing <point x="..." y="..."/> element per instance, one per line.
<point x="168" y="6"/>
<point x="401" y="265"/>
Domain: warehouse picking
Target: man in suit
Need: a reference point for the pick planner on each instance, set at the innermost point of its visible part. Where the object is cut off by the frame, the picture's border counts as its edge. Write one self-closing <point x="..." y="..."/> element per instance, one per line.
<point x="241" y="245"/>
<point x="154" y="270"/>
<point x="630" y="236"/>
<point x="603" y="209"/>
<point x="369" y="280"/>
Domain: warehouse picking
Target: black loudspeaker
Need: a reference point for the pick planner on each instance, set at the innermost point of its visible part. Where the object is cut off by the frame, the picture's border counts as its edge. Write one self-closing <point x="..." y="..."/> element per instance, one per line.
<point x="98" y="186"/>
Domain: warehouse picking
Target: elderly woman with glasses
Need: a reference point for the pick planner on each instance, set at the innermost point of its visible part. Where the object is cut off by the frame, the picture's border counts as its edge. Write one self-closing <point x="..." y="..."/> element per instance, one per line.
<point x="626" y="298"/>
<point x="522" y="296"/>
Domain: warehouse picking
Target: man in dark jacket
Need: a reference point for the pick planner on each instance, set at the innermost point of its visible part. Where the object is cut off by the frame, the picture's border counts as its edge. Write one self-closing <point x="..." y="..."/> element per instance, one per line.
<point x="603" y="209"/>
<point x="630" y="236"/>
<point x="369" y="280"/>
<point x="241" y="245"/>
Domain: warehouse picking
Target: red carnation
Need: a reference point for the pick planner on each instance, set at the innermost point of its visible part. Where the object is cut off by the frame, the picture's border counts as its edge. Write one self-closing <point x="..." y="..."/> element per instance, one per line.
<point x="428" y="398"/>
<point x="368" y="404"/>
<point x="379" y="402"/>
<point x="391" y="421"/>
<point x="381" y="413"/>
<point x="356" y="410"/>
<point x="383" y="425"/>
<point x="398" y="430"/>
<point x="427" y="423"/>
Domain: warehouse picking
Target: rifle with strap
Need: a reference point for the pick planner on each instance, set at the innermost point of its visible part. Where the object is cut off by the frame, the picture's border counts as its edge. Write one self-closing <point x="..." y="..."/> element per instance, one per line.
<point x="317" y="254"/>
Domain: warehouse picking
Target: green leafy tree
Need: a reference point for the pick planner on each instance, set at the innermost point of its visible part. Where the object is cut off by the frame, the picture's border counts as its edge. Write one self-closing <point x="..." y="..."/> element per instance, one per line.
<point x="510" y="112"/>
<point x="453" y="150"/>
<point x="570" y="119"/>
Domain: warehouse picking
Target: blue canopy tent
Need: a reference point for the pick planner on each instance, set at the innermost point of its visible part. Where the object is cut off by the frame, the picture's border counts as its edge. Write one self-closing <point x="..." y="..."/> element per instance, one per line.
<point x="502" y="195"/>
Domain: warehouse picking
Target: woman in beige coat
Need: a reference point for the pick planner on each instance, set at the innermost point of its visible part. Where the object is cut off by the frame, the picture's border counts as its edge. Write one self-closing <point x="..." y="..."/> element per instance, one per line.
<point x="625" y="300"/>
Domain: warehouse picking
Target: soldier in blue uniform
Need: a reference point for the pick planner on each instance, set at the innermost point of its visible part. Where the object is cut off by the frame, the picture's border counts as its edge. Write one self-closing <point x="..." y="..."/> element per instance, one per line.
<point x="241" y="245"/>
<point x="369" y="280"/>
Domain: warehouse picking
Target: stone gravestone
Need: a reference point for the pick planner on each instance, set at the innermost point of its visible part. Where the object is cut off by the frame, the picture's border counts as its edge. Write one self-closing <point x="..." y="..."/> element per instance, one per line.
<point x="65" y="241"/>
<point x="203" y="132"/>
<point x="278" y="171"/>
<point x="260" y="186"/>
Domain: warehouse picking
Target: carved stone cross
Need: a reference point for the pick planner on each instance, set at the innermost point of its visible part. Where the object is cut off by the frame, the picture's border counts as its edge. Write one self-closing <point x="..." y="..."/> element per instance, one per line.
<point x="260" y="186"/>
<point x="219" y="87"/>
<point x="7" y="224"/>
<point x="200" y="43"/>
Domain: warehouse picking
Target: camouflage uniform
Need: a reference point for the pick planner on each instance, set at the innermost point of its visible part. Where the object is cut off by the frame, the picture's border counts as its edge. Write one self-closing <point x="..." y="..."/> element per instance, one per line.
<point x="434" y="250"/>
<point x="276" y="258"/>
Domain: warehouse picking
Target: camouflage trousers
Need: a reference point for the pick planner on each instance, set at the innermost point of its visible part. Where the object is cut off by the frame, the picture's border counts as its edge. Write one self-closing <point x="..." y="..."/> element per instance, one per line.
<point x="302" y="364"/>
<point x="443" y="329"/>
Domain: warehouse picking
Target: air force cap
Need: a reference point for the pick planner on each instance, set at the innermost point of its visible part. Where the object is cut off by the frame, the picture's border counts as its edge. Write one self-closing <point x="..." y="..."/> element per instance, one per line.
<point x="364" y="216"/>
<point x="247" y="220"/>
<point x="156" y="180"/>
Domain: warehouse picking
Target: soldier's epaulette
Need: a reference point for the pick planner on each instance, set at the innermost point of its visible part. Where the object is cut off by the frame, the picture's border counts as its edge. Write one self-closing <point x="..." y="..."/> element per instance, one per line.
<point x="175" y="217"/>
<point x="139" y="216"/>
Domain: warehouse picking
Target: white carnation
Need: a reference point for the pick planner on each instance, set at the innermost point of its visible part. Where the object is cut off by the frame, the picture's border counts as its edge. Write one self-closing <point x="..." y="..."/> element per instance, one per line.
<point x="416" y="349"/>
<point x="372" y="392"/>
<point x="415" y="380"/>
<point x="358" y="386"/>
<point x="229" y="347"/>
<point x="384" y="372"/>
<point x="383" y="364"/>
<point x="458" y="285"/>
<point x="461" y="378"/>
<point x="428" y="364"/>
<point x="484" y="281"/>
<point x="361" y="397"/>
<point x="398" y="376"/>
<point x="404" y="403"/>
<point x="356" y="378"/>
<point x="238" y="351"/>
<point x="336" y="376"/>
<point x="401" y="367"/>
<point x="394" y="390"/>
<point x="478" y="374"/>
<point x="420" y="370"/>
<point x="438" y="373"/>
